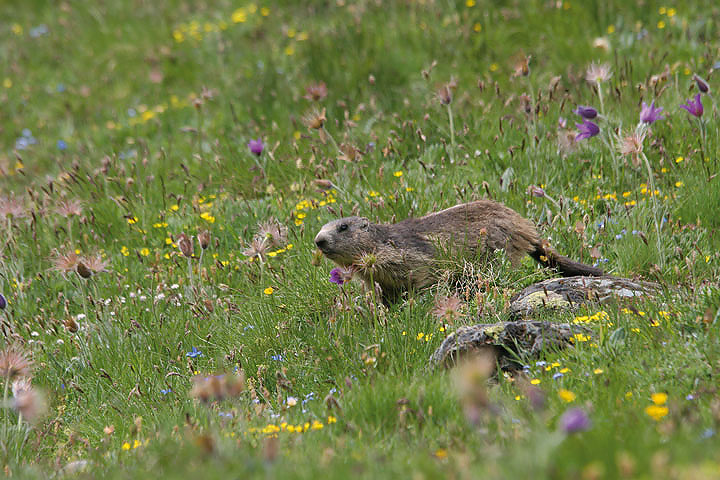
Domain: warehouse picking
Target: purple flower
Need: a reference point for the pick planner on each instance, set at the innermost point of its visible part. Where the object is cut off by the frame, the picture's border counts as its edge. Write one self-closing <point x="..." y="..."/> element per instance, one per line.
<point x="694" y="107"/>
<point x="3" y="302"/>
<point x="587" y="129"/>
<point x="256" y="146"/>
<point x="588" y="113"/>
<point x="701" y="84"/>
<point x="575" y="420"/>
<point x="194" y="353"/>
<point x="650" y="114"/>
<point x="340" y="276"/>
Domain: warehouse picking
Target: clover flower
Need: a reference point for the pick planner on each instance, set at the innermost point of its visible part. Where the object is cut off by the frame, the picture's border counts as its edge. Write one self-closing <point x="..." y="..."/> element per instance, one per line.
<point x="650" y="114"/>
<point x="694" y="107"/>
<point x="587" y="129"/>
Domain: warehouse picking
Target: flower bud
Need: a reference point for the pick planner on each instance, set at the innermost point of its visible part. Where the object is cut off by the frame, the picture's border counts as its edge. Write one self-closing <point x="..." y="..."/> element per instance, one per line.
<point x="204" y="239"/>
<point x="185" y="245"/>
<point x="3" y="302"/>
<point x="701" y="84"/>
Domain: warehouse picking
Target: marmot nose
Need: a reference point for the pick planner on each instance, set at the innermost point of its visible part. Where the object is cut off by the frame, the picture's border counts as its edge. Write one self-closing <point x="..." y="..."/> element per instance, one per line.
<point x="321" y="242"/>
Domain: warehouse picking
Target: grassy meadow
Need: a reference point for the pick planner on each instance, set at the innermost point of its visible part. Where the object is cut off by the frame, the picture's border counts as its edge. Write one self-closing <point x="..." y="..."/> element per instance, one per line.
<point x="165" y="166"/>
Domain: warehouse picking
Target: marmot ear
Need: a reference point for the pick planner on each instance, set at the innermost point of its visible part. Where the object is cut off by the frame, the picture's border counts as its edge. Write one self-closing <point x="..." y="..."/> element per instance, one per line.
<point x="364" y="223"/>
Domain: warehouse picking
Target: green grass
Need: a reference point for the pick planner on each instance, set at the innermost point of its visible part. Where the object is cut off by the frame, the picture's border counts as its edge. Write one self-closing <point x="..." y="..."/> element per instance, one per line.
<point x="156" y="104"/>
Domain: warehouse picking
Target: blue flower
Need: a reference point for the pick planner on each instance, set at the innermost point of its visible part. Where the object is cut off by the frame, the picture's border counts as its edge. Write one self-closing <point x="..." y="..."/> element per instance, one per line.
<point x="558" y="375"/>
<point x="165" y="391"/>
<point x="194" y="353"/>
<point x="62" y="145"/>
<point x="277" y="358"/>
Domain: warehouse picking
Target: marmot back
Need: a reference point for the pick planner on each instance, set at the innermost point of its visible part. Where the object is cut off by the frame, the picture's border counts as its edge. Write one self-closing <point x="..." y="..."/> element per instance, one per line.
<point x="401" y="256"/>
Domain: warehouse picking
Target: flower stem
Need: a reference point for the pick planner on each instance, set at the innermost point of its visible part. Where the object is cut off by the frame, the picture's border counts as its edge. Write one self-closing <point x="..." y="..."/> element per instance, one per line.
<point x="651" y="184"/>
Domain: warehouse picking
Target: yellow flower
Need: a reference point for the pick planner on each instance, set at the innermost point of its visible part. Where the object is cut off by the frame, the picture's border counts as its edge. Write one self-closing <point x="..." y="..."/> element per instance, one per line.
<point x="535" y="381"/>
<point x="132" y="220"/>
<point x="207" y="217"/>
<point x="566" y="395"/>
<point x="264" y="11"/>
<point x="661" y="24"/>
<point x="332" y="419"/>
<point x="470" y="3"/>
<point x="145" y="252"/>
<point x="126" y="446"/>
<point x="656" y="412"/>
<point x="679" y="159"/>
<point x="239" y="16"/>
<point x="598" y="371"/>
<point x="124" y="250"/>
<point x="679" y="184"/>
<point x="317" y="425"/>
<point x="399" y="173"/>
<point x="269" y="291"/>
<point x="477" y="28"/>
<point x="659" y="398"/>
<point x="420" y="336"/>
<point x="441" y="452"/>
<point x="136" y="444"/>
<point x="17" y="29"/>
<point x="7" y="83"/>
<point x="174" y="208"/>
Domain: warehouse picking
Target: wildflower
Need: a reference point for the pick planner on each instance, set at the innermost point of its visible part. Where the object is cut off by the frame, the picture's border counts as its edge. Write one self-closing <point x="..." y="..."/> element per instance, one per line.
<point x="258" y="248"/>
<point x="588" y="113"/>
<point x="597" y="74"/>
<point x="68" y="208"/>
<point x="694" y="107"/>
<point x="701" y="84"/>
<point x="204" y="239"/>
<point x="659" y="398"/>
<point x="273" y="232"/>
<point x="536" y="191"/>
<point x="566" y="395"/>
<point x="632" y="145"/>
<point x="65" y="262"/>
<point x="3" y="302"/>
<point x="656" y="412"/>
<point x="587" y="129"/>
<point x="194" y="353"/>
<point x="650" y="114"/>
<point x="340" y="275"/>
<point x="14" y="364"/>
<point x="447" y="308"/>
<point x="62" y="145"/>
<point x="444" y="93"/>
<point x="83" y="270"/>
<point x="269" y="291"/>
<point x="185" y="244"/>
<point x="256" y="146"/>
<point x="315" y="119"/>
<point x="291" y="401"/>
<point x="28" y="402"/>
<point x="575" y="420"/>
<point x="316" y="92"/>
<point x="12" y="207"/>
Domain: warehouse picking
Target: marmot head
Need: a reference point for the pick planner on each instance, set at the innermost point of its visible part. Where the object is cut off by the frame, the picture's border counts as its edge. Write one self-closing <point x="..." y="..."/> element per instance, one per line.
<point x="344" y="241"/>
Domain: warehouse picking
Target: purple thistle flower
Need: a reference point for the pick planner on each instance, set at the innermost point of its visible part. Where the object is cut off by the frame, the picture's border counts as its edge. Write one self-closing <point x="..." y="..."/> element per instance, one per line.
<point x="587" y="129"/>
<point x="701" y="84"/>
<point x="3" y="302"/>
<point x="650" y="114"/>
<point x="588" y="113"/>
<point x="256" y="146"/>
<point x="694" y="107"/>
<point x="575" y="420"/>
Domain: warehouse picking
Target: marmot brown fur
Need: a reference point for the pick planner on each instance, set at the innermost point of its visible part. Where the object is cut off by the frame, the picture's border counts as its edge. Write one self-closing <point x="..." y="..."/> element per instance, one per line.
<point x="400" y="256"/>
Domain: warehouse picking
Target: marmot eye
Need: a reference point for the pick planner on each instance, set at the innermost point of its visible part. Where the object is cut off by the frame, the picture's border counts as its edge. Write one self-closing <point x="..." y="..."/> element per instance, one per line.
<point x="342" y="227"/>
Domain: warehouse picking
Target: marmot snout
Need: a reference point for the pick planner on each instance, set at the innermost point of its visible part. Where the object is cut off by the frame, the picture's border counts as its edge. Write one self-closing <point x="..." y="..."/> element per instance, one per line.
<point x="403" y="253"/>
